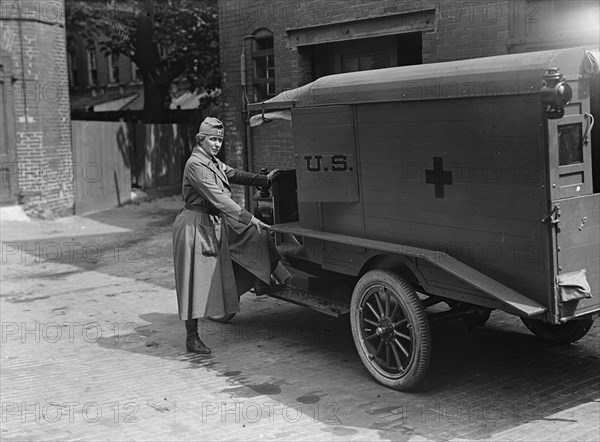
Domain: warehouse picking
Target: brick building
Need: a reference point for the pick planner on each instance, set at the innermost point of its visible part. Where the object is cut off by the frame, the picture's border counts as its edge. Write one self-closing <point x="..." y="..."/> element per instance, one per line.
<point x="270" y="46"/>
<point x="101" y="82"/>
<point x="36" y="154"/>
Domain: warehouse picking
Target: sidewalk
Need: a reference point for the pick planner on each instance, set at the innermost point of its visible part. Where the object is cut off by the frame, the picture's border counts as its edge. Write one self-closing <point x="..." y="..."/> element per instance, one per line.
<point x="92" y="349"/>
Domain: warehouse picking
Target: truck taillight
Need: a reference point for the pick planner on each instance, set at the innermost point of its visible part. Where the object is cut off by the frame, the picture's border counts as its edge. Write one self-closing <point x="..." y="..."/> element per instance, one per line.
<point x="555" y="93"/>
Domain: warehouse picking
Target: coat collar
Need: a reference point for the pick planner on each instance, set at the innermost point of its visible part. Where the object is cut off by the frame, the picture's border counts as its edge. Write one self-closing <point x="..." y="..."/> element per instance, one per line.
<point x="212" y="163"/>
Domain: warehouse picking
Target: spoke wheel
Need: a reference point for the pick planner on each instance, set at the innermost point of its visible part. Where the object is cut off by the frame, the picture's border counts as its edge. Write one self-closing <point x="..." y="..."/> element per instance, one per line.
<point x="223" y="318"/>
<point x="390" y="329"/>
<point x="566" y="333"/>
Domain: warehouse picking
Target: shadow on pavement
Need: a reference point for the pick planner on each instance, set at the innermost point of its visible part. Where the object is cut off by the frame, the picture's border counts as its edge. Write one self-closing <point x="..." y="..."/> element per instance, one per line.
<point x="481" y="380"/>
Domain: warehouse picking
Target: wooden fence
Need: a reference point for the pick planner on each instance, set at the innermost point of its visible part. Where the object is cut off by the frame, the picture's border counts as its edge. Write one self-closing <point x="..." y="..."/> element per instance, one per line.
<point x="111" y="157"/>
<point x="161" y="151"/>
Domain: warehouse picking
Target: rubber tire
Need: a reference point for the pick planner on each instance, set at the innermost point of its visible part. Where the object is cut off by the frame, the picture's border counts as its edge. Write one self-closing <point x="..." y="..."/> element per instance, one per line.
<point x="222" y="319"/>
<point x="559" y="334"/>
<point x="413" y="311"/>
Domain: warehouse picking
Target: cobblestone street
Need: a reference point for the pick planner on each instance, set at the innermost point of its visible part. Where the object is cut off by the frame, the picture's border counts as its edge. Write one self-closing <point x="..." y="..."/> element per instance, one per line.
<point x="92" y="349"/>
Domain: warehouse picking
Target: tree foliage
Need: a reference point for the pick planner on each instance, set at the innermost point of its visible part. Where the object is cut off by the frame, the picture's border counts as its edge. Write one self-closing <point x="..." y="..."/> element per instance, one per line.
<point x="167" y="39"/>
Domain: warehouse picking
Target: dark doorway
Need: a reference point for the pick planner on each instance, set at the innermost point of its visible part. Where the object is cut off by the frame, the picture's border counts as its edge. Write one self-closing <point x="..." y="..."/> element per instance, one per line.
<point x="367" y="53"/>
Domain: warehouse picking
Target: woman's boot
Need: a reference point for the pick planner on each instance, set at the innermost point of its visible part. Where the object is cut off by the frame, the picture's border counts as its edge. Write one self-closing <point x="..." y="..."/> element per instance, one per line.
<point x="192" y="341"/>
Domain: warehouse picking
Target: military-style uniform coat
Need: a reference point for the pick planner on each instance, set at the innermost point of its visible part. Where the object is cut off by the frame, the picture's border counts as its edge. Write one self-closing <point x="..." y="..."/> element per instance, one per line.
<point x="212" y="232"/>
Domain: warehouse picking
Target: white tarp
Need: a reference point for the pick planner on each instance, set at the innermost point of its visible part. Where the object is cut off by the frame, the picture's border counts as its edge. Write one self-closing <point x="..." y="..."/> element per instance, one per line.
<point x="259" y="119"/>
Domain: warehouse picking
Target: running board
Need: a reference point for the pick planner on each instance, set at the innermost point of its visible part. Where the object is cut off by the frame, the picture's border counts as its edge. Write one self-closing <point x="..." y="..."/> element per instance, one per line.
<point x="309" y="299"/>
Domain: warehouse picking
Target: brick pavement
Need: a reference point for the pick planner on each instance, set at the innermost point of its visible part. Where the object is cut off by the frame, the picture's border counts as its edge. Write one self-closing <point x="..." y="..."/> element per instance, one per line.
<point x="92" y="350"/>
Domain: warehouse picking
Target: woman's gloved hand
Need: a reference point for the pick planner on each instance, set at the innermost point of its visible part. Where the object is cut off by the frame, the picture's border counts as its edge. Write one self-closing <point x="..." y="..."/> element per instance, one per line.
<point x="273" y="175"/>
<point x="259" y="224"/>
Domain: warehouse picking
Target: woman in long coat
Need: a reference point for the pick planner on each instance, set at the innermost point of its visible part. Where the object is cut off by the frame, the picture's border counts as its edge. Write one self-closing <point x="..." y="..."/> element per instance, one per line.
<point x="219" y="249"/>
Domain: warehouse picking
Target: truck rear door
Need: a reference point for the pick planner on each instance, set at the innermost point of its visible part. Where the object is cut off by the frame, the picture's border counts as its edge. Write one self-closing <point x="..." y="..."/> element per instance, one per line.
<point x="575" y="209"/>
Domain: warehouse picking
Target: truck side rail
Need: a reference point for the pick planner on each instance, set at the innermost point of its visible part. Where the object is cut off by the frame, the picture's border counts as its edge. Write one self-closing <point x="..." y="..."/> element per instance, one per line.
<point x="515" y="301"/>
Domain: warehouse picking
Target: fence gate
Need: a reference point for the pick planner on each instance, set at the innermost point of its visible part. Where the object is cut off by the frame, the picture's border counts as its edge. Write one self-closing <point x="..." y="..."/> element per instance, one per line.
<point x="102" y="165"/>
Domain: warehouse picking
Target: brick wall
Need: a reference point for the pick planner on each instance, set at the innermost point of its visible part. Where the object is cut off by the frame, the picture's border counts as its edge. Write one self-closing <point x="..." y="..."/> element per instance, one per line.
<point x="468" y="30"/>
<point x="464" y="30"/>
<point x="33" y="35"/>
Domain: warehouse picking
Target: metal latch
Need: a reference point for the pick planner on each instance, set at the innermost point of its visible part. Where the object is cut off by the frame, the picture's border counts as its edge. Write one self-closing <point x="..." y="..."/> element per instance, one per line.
<point x="553" y="217"/>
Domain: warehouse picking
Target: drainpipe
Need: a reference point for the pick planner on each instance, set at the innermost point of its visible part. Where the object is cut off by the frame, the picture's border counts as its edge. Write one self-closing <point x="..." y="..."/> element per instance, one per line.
<point x="248" y="155"/>
<point x="23" y="84"/>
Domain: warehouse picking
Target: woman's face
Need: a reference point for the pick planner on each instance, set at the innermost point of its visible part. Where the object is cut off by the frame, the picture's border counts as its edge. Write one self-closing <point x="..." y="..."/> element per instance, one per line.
<point x="211" y="144"/>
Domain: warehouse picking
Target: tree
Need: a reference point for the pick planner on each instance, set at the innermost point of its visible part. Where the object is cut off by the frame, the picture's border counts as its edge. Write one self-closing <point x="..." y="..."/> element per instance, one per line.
<point x="166" y="39"/>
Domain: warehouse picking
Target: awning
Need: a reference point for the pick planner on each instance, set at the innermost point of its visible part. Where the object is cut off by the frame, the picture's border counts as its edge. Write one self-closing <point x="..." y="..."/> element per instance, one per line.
<point x="114" y="105"/>
<point x="187" y="100"/>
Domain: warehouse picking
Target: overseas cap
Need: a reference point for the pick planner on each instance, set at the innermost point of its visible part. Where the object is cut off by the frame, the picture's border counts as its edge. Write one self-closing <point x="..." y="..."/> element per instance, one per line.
<point x="211" y="126"/>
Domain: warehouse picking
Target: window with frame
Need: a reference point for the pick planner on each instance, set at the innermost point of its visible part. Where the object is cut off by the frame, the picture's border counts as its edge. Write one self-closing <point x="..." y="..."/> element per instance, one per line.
<point x="163" y="51"/>
<point x="114" y="68"/>
<point x="264" y="65"/>
<point x="136" y="75"/>
<point x="92" y="62"/>
<point x="570" y="144"/>
<point x="72" y="65"/>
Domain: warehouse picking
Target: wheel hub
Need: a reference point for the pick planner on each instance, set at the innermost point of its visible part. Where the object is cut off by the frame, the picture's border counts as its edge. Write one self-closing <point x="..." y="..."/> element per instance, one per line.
<point x="385" y="329"/>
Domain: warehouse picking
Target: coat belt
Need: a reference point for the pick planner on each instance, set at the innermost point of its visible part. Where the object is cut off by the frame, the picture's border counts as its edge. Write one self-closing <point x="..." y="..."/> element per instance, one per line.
<point x="202" y="209"/>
